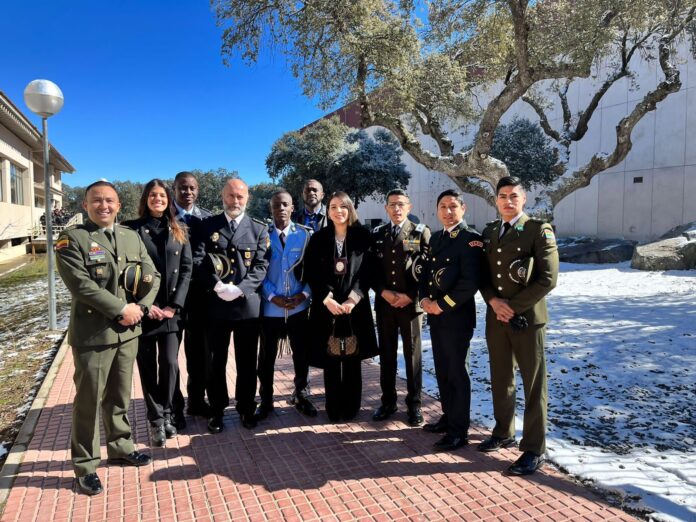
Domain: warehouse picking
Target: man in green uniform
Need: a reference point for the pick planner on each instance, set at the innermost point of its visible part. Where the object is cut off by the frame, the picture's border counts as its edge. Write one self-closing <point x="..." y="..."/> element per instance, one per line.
<point x="522" y="260"/>
<point x="104" y="329"/>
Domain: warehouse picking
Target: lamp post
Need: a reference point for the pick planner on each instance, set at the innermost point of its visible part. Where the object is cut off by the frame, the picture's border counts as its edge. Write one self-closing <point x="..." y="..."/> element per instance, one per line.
<point x="45" y="98"/>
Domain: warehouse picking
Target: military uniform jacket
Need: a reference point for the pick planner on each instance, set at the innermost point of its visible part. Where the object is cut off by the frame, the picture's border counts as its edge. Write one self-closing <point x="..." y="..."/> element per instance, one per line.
<point x="285" y="270"/>
<point x="91" y="270"/>
<point x="527" y="238"/>
<point x="453" y="272"/>
<point x="173" y="261"/>
<point x="246" y="250"/>
<point x="400" y="261"/>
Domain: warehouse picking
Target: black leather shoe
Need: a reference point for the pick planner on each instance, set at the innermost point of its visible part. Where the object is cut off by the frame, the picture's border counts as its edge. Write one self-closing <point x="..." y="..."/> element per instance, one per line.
<point x="179" y="420"/>
<point x="494" y="443"/>
<point x="248" y="421"/>
<point x="199" y="410"/>
<point x="415" y="416"/>
<point x="527" y="464"/>
<point x="215" y="425"/>
<point x="263" y="410"/>
<point x="132" y="459"/>
<point x="437" y="427"/>
<point x="90" y="484"/>
<point x="450" y="443"/>
<point x="158" y="437"/>
<point x="305" y="406"/>
<point x="169" y="428"/>
<point x="384" y="412"/>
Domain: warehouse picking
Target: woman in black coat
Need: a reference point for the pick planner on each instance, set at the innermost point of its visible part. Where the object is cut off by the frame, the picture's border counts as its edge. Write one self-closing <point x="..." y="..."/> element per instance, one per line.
<point x="167" y="244"/>
<point x="337" y="268"/>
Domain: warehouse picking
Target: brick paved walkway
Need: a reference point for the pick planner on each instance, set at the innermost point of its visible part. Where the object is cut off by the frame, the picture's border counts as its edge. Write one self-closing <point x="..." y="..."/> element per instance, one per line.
<point x="289" y="468"/>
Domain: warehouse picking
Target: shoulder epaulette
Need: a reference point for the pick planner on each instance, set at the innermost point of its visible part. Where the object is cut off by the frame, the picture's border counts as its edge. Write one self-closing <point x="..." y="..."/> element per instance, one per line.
<point x="420" y="227"/>
<point x="538" y="220"/>
<point x="308" y="229"/>
<point x="259" y="222"/>
<point x="379" y="227"/>
<point x="492" y="223"/>
<point x="74" y="226"/>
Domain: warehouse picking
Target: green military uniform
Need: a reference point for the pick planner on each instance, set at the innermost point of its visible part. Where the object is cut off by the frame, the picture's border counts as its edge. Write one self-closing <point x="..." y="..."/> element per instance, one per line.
<point x="507" y="258"/>
<point x="104" y="351"/>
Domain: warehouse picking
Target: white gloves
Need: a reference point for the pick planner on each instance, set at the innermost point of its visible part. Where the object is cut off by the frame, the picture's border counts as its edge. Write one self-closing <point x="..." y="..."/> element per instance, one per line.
<point x="227" y="292"/>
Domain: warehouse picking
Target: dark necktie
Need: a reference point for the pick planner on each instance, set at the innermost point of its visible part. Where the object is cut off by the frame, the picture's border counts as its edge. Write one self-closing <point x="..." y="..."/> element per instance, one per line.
<point x="506" y="226"/>
<point x="233" y="226"/>
<point x="110" y="236"/>
<point x="187" y="219"/>
<point x="394" y="232"/>
<point x="282" y="239"/>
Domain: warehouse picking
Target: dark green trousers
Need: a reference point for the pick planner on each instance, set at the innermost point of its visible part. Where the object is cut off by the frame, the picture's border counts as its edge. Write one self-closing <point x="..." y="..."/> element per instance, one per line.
<point x="524" y="349"/>
<point x="103" y="379"/>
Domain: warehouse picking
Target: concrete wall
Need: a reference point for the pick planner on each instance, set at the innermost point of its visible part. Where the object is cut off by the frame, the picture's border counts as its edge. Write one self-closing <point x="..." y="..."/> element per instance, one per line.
<point x="617" y="203"/>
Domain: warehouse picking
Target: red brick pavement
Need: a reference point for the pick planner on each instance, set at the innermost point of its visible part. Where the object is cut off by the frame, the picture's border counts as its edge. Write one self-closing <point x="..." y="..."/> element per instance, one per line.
<point x="289" y="468"/>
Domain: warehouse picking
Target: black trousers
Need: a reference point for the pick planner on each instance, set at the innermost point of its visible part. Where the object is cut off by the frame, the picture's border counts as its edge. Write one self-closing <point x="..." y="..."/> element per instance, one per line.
<point x="451" y="337"/>
<point x="194" y="348"/>
<point x="272" y="330"/>
<point x="158" y="363"/>
<point x="246" y="341"/>
<point x="390" y="321"/>
<point x="343" y="385"/>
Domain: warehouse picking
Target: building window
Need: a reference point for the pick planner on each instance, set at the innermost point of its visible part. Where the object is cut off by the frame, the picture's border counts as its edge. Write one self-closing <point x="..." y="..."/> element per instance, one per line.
<point x="16" y="185"/>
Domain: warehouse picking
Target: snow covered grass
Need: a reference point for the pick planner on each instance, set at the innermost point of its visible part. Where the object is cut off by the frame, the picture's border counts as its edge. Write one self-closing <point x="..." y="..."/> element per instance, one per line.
<point x="621" y="357"/>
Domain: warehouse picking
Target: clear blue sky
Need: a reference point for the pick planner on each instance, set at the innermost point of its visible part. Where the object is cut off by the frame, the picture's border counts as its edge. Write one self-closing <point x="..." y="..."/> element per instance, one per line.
<point x="146" y="93"/>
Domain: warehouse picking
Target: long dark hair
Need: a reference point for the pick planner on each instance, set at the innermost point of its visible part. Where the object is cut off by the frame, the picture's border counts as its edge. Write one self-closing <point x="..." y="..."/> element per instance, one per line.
<point x="178" y="230"/>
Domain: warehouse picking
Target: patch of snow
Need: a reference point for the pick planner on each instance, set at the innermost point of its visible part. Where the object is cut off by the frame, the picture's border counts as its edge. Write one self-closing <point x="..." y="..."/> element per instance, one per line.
<point x="621" y="361"/>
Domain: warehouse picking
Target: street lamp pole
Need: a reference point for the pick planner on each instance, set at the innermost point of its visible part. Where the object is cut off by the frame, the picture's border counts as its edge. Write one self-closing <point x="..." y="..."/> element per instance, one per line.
<point x="45" y="98"/>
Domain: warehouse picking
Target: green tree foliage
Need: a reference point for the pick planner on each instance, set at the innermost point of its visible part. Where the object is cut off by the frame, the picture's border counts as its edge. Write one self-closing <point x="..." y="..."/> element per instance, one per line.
<point x="72" y="199"/>
<point x="340" y="158"/>
<point x="527" y="152"/>
<point x="129" y="192"/>
<point x="259" y="200"/>
<point x="425" y="69"/>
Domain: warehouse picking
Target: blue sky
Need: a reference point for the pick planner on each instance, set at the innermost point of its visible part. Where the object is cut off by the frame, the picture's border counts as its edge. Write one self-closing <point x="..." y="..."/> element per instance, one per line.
<point x="146" y="93"/>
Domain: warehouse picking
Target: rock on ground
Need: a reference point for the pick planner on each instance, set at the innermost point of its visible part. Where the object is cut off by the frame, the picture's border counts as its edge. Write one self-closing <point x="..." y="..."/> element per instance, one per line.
<point x="593" y="250"/>
<point x="675" y="250"/>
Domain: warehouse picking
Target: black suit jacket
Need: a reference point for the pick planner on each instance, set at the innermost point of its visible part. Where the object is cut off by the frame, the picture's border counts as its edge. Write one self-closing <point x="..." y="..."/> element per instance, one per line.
<point x="454" y="272"/>
<point x="319" y="273"/>
<point x="246" y="250"/>
<point x="173" y="261"/>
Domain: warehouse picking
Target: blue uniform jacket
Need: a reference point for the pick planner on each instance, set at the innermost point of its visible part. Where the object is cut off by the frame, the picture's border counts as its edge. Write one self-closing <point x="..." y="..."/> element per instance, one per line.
<point x="284" y="270"/>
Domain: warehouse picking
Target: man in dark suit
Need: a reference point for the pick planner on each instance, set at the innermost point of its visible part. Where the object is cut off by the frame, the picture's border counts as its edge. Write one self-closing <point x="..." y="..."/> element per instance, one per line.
<point x="230" y="260"/>
<point x="313" y="213"/>
<point x="523" y="266"/>
<point x="186" y="195"/>
<point x="400" y="247"/>
<point x="103" y="331"/>
<point x="452" y="276"/>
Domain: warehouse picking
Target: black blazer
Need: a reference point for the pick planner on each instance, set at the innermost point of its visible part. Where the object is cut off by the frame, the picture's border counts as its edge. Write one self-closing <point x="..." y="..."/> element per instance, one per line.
<point x="319" y="273"/>
<point x="194" y="310"/>
<point x="246" y="250"/>
<point x="173" y="261"/>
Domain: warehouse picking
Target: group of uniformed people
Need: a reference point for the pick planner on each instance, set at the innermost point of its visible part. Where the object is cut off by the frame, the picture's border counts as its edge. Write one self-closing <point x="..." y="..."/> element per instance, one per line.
<point x="301" y="283"/>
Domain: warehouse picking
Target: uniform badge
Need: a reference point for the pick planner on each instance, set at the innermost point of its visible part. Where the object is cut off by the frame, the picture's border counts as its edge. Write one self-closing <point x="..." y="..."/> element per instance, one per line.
<point x="62" y="243"/>
<point x="548" y="234"/>
<point x="476" y="243"/>
<point x="519" y="227"/>
<point x="247" y="254"/>
<point x="455" y="233"/>
<point x="520" y="270"/>
<point x="147" y="278"/>
<point x="99" y="272"/>
<point x="340" y="265"/>
<point x="215" y="237"/>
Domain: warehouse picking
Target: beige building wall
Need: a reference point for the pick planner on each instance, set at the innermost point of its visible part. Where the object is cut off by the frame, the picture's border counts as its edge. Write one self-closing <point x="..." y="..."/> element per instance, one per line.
<point x="640" y="198"/>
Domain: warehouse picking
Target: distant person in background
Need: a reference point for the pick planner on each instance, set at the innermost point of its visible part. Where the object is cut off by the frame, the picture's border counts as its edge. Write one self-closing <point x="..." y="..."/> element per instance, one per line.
<point x="285" y="307"/>
<point x="186" y="195"/>
<point x="167" y="244"/>
<point x="103" y="331"/>
<point x="313" y="213"/>
<point x="522" y="259"/>
<point x="338" y="265"/>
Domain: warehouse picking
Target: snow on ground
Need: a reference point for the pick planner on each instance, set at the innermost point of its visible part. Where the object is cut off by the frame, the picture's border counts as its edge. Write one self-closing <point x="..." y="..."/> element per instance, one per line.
<point x="621" y="357"/>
